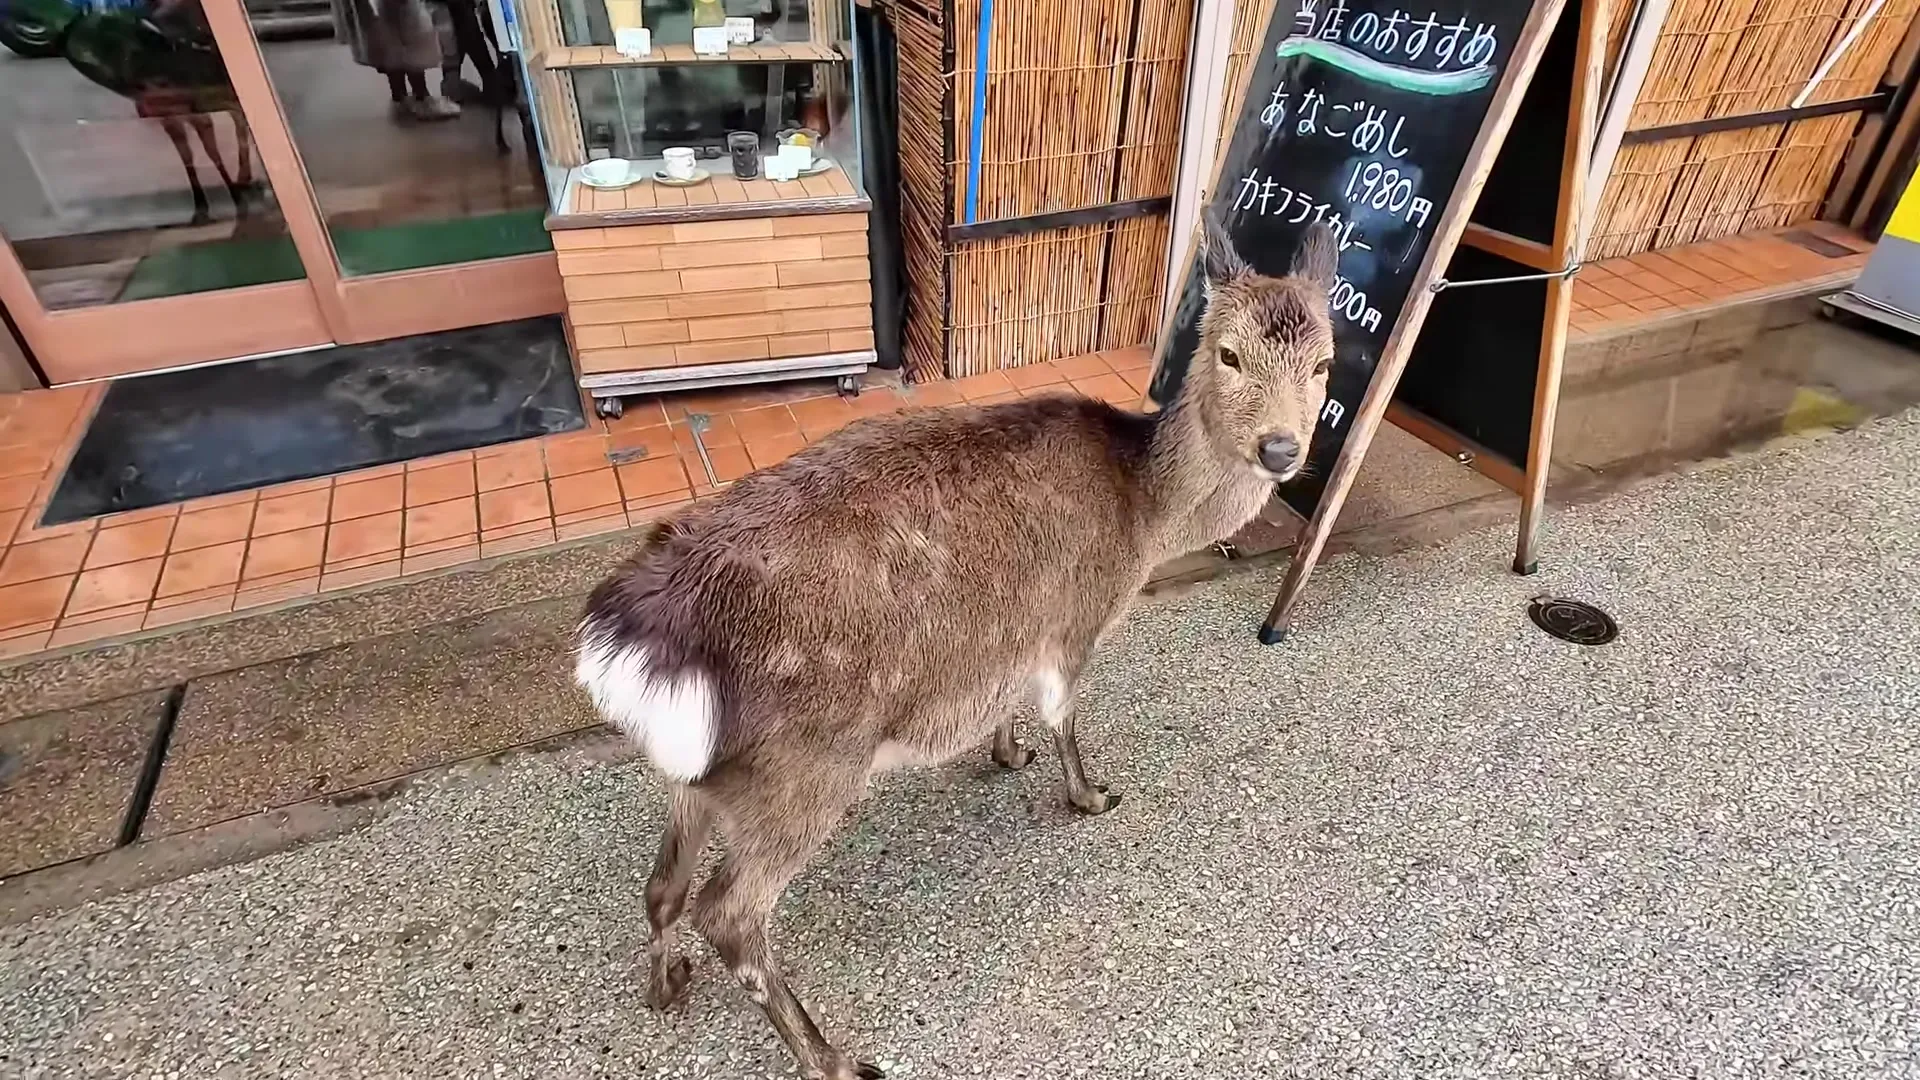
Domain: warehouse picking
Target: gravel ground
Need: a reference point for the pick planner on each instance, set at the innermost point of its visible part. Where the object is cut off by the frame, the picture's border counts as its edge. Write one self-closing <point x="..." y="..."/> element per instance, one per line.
<point x="1420" y="839"/>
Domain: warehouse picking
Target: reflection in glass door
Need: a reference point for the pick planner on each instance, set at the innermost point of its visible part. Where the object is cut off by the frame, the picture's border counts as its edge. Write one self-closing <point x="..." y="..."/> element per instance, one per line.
<point x="404" y="119"/>
<point x="127" y="167"/>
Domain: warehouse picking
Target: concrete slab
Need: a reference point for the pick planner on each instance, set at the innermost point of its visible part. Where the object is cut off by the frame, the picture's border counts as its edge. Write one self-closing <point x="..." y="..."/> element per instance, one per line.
<point x="1403" y="476"/>
<point x="282" y="732"/>
<point x="66" y="779"/>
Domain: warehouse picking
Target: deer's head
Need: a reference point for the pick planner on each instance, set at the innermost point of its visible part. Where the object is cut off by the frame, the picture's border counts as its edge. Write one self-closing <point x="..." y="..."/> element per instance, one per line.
<point x="1266" y="345"/>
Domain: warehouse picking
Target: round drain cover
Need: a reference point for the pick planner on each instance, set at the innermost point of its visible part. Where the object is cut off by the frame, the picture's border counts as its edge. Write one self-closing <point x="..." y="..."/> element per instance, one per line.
<point x="1571" y="620"/>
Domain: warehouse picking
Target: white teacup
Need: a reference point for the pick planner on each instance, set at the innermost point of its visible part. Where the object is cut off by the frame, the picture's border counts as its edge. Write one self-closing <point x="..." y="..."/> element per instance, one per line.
<point x="679" y="161"/>
<point x="607" y="171"/>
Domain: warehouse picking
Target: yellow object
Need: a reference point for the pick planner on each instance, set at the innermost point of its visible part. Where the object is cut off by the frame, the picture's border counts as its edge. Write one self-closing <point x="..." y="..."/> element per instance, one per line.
<point x="624" y="14"/>
<point x="1816" y="410"/>
<point x="1905" y="222"/>
<point x="709" y="13"/>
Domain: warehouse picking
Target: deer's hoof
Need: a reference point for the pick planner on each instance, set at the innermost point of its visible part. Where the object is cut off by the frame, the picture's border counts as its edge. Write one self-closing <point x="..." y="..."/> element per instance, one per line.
<point x="1018" y="758"/>
<point x="1094" y="801"/>
<point x="669" y="983"/>
<point x="863" y="1070"/>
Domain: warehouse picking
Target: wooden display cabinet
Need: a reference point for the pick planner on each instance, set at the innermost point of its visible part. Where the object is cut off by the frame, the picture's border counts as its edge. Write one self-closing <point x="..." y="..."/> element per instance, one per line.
<point x="730" y="280"/>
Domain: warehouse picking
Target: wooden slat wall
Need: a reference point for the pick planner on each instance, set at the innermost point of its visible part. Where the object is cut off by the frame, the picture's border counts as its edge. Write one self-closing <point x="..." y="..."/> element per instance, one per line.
<point x="1720" y="58"/>
<point x="1056" y="70"/>
<point x="1149" y="149"/>
<point x="1136" y="276"/>
<point x="1246" y="27"/>
<point x="1084" y="104"/>
<point x="708" y="292"/>
<point x="924" y="88"/>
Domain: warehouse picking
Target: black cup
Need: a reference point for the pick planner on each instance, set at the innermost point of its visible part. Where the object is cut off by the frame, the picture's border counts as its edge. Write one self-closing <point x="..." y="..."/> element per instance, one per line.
<point x="744" y="148"/>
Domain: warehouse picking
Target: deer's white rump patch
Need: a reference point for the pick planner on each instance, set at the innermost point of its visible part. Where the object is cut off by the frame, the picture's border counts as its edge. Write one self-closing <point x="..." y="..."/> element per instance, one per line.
<point x="671" y="718"/>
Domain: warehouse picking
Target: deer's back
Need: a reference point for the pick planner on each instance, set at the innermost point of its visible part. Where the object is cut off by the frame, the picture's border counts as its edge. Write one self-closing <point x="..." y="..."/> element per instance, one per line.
<point x="907" y="566"/>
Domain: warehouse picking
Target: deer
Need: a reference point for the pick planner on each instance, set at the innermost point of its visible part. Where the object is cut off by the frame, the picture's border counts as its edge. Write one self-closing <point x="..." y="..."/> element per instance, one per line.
<point x="892" y="595"/>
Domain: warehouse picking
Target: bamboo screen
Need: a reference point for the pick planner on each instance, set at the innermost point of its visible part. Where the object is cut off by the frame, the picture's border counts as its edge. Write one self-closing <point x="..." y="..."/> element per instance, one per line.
<point x="1719" y="58"/>
<point x="1246" y="31"/>
<point x="924" y="85"/>
<point x="1083" y="104"/>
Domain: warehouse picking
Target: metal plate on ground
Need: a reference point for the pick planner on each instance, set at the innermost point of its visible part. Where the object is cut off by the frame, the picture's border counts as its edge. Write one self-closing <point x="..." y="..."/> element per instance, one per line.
<point x="1573" y="620"/>
<point x="1818" y="244"/>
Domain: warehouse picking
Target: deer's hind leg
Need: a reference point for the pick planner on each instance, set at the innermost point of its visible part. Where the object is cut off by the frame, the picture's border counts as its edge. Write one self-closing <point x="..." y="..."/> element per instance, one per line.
<point x="1008" y="752"/>
<point x="689" y="824"/>
<point x="770" y="834"/>
<point x="1058" y="694"/>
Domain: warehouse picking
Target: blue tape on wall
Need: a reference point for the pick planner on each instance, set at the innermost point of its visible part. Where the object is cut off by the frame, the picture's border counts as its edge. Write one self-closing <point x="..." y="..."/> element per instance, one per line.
<point x="979" y="134"/>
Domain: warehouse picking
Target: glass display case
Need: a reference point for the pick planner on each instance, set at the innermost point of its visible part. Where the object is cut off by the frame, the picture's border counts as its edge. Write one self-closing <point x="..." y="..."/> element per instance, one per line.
<point x="703" y="162"/>
<point x="785" y="72"/>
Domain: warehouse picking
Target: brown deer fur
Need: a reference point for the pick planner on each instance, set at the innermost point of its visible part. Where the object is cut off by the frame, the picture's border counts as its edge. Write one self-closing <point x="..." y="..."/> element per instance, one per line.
<point x="890" y="595"/>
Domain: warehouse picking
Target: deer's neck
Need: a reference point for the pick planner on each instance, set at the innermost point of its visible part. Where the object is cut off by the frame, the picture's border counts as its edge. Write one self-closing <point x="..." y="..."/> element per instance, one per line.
<point x="1193" y="494"/>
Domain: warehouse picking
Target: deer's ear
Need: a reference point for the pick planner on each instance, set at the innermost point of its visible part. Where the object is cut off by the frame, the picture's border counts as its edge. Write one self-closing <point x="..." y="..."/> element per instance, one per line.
<point x="1318" y="257"/>
<point x="1223" y="264"/>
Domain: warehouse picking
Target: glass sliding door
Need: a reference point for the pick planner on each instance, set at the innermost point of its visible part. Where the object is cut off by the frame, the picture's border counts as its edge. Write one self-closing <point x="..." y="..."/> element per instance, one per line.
<point x="427" y="181"/>
<point x="132" y="194"/>
<point x="185" y="181"/>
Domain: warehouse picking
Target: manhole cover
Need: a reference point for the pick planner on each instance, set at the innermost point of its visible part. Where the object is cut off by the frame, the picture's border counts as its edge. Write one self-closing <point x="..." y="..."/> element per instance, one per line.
<point x="1571" y="620"/>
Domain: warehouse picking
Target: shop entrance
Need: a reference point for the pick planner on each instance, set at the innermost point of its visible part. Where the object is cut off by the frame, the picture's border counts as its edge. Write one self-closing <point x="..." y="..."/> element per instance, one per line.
<point x="186" y="181"/>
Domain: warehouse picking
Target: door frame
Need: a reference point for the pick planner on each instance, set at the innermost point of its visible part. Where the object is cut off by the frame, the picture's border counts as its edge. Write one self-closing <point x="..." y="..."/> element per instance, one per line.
<point x="1206" y="92"/>
<point x="324" y="308"/>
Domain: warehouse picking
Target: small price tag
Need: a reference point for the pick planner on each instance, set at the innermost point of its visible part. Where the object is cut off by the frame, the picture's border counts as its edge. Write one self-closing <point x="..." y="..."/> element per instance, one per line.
<point x="633" y="42"/>
<point x="710" y="40"/>
<point x="739" y="30"/>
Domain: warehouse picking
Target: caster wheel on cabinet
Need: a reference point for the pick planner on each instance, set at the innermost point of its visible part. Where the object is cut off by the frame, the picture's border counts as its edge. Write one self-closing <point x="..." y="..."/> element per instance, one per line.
<point x="609" y="407"/>
<point x="850" y="385"/>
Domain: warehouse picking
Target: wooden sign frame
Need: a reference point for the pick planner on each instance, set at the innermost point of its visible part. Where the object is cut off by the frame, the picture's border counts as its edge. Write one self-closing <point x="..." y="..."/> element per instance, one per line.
<point x="1559" y="258"/>
<point x="1556" y="261"/>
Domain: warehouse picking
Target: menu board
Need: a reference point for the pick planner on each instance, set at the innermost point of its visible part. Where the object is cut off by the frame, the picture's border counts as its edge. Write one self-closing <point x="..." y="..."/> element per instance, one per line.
<point x="1364" y="115"/>
<point x="1476" y="364"/>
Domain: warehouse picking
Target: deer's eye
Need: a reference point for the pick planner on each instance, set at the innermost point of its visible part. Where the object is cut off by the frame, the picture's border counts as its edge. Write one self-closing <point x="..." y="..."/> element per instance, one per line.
<point x="1230" y="358"/>
<point x="1325" y="365"/>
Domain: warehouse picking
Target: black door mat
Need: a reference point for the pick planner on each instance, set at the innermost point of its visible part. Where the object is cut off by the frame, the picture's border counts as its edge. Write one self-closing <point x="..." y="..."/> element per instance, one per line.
<point x="167" y="438"/>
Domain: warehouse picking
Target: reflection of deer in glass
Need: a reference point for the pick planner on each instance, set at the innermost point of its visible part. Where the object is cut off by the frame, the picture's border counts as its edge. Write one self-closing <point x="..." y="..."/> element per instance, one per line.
<point x="160" y="55"/>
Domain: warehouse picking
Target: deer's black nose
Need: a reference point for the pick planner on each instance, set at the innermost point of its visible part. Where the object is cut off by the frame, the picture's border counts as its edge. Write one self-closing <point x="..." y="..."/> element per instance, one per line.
<point x="1279" y="453"/>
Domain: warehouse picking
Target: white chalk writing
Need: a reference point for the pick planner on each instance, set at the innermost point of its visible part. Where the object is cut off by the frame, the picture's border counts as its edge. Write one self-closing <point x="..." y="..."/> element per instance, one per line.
<point x="1382" y="187"/>
<point x="1352" y="303"/>
<point x="1399" y="35"/>
<point x="1366" y="127"/>
<point x="1267" y="197"/>
<point x="1275" y="113"/>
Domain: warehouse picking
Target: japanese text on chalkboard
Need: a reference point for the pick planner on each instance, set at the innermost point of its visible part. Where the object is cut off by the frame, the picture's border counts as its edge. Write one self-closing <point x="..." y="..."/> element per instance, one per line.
<point x="1399" y="34"/>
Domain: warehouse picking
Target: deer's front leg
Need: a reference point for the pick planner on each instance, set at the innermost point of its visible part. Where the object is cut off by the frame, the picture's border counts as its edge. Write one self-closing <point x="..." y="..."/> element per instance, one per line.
<point x="1057" y="697"/>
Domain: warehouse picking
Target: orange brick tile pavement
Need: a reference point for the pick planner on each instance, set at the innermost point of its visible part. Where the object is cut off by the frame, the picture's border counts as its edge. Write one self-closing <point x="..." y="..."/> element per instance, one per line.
<point x="144" y="569"/>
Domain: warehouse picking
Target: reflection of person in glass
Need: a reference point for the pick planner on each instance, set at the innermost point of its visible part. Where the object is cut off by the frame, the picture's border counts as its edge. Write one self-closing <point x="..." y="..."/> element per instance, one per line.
<point x="396" y="38"/>
<point x="464" y="37"/>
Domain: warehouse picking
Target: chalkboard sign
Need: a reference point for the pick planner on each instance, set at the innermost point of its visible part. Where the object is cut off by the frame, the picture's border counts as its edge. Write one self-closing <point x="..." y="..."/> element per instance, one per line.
<point x="1476" y="363"/>
<point x="1475" y="367"/>
<point x="1521" y="198"/>
<point x="1365" y="114"/>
